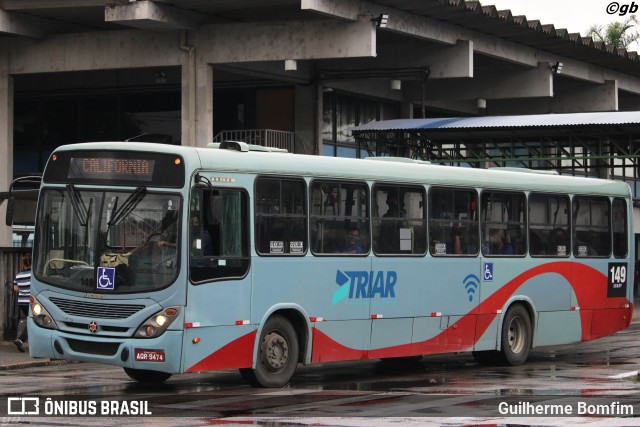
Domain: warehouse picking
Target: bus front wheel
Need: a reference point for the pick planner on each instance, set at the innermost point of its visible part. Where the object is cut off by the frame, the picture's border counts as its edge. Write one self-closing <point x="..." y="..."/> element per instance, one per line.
<point x="277" y="355"/>
<point x="516" y="335"/>
<point x="147" y="376"/>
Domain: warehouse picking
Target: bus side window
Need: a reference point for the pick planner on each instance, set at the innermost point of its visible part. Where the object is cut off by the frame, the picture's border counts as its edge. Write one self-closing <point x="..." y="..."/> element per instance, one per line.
<point x="619" y="220"/>
<point x="399" y="223"/>
<point x="503" y="223"/>
<point x="281" y="216"/>
<point x="549" y="225"/>
<point x="336" y="209"/>
<point x="225" y="213"/>
<point x="453" y="222"/>
<point x="591" y="227"/>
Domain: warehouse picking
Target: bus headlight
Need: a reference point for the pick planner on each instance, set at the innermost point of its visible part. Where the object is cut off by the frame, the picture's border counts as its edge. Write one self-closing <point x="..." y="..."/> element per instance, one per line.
<point x="41" y="316"/>
<point x="157" y="324"/>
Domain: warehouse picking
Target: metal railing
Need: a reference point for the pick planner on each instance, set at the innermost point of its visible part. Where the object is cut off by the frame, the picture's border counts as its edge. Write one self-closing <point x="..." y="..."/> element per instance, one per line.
<point x="263" y="137"/>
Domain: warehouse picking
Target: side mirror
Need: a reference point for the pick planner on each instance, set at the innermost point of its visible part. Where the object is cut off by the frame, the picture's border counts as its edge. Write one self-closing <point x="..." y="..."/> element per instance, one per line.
<point x="9" y="217"/>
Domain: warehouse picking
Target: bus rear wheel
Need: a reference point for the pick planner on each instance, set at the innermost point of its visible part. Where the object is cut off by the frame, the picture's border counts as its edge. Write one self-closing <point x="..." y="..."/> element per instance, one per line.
<point x="277" y="355"/>
<point x="147" y="376"/>
<point x="516" y="335"/>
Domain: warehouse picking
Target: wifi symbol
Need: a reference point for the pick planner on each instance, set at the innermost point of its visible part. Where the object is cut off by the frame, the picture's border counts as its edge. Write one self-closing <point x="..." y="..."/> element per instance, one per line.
<point x="471" y="283"/>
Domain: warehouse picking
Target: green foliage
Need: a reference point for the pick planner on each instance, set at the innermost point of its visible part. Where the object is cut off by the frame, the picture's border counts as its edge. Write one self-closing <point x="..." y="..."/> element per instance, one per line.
<point x="618" y="34"/>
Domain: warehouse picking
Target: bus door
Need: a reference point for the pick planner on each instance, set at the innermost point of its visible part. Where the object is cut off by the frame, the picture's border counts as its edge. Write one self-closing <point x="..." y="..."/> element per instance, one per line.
<point x="218" y="332"/>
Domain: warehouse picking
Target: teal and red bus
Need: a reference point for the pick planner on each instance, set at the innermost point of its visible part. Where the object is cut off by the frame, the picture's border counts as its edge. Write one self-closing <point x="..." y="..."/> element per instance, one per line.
<point x="169" y="259"/>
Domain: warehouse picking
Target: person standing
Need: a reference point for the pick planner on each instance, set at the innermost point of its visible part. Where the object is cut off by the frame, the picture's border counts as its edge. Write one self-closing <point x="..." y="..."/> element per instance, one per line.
<point x="22" y="285"/>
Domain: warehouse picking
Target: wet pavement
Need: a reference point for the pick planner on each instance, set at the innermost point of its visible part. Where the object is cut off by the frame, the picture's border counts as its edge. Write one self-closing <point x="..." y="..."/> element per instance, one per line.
<point x="443" y="390"/>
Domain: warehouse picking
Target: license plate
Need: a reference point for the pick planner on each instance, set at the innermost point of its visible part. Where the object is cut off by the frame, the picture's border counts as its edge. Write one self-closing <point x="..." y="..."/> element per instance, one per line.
<point x="149" y="355"/>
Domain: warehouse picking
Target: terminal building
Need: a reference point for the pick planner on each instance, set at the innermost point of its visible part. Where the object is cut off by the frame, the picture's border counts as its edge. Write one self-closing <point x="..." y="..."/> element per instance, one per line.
<point x="462" y="83"/>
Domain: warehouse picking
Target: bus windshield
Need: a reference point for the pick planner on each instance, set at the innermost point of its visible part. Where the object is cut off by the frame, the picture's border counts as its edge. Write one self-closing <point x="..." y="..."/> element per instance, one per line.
<point x="133" y="235"/>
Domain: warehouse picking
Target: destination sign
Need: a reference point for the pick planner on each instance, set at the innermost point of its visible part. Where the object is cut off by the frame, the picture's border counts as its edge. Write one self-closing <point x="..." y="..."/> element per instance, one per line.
<point x="115" y="168"/>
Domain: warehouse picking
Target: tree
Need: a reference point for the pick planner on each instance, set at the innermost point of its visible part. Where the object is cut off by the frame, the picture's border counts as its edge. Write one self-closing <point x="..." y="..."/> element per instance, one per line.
<point x="618" y="34"/>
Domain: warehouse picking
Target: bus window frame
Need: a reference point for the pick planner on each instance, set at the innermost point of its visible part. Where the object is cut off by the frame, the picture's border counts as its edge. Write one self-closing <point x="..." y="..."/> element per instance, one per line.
<point x="247" y="239"/>
<point x="567" y="196"/>
<point x="430" y="218"/>
<point x="574" y="239"/>
<point x="524" y="223"/>
<point x="311" y="215"/>
<point x="425" y="219"/>
<point x="306" y="215"/>
<point x="626" y="228"/>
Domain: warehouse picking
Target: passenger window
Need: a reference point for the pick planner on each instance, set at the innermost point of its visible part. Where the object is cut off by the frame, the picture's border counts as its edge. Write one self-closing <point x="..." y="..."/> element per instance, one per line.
<point x="219" y="238"/>
<point x="339" y="218"/>
<point x="281" y="217"/>
<point x="399" y="224"/>
<point x="503" y="222"/>
<point x="591" y="227"/>
<point x="620" y="243"/>
<point x="453" y="222"/>
<point x="549" y="225"/>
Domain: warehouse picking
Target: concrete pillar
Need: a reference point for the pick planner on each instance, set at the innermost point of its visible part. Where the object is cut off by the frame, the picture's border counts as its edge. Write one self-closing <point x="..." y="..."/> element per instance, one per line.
<point x="6" y="144"/>
<point x="319" y="118"/>
<point x="204" y="103"/>
<point x="305" y="122"/>
<point x="197" y="94"/>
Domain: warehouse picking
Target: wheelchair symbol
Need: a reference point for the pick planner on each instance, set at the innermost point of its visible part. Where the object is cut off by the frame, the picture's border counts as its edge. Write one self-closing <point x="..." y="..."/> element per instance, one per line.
<point x="106" y="278"/>
<point x="488" y="271"/>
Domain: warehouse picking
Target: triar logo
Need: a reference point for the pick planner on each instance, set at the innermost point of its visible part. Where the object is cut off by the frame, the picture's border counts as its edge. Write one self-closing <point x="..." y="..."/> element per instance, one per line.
<point x="364" y="284"/>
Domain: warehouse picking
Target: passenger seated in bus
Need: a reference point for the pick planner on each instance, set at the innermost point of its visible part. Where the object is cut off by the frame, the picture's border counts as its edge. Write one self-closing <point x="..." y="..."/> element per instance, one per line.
<point x="498" y="244"/>
<point x="351" y="245"/>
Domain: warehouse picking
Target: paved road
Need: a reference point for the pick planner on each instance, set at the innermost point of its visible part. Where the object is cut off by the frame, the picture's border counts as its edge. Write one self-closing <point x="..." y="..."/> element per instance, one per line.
<point x="440" y="390"/>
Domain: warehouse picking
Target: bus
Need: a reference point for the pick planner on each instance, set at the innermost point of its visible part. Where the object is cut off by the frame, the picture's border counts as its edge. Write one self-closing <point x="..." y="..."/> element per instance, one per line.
<point x="170" y="259"/>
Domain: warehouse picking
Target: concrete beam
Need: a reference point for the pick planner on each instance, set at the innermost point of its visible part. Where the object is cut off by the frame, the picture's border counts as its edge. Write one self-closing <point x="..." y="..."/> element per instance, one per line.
<point x="443" y="33"/>
<point x="445" y="63"/>
<point x="526" y="83"/>
<point x="93" y="51"/>
<point x="20" y="25"/>
<point x="595" y="98"/>
<point x="333" y="8"/>
<point x="148" y="15"/>
<point x="273" y="41"/>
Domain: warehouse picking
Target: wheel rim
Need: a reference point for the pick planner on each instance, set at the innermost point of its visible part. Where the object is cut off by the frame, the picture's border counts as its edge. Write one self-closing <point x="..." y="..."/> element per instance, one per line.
<point x="516" y="334"/>
<point x="274" y="351"/>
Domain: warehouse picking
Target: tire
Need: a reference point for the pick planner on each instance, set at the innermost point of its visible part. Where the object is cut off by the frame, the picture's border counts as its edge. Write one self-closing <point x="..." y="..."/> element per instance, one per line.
<point x="146" y="376"/>
<point x="516" y="335"/>
<point x="277" y="355"/>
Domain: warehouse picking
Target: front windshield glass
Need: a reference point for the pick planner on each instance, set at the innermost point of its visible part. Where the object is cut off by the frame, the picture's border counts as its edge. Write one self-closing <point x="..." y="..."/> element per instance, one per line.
<point x="129" y="238"/>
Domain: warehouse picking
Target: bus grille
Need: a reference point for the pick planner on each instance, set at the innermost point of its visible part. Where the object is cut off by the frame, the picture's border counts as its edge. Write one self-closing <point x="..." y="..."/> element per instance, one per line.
<point x="88" y="347"/>
<point x="96" y="310"/>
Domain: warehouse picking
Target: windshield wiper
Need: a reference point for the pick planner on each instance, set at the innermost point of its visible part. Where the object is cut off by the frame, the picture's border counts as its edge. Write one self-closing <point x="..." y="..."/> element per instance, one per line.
<point x="132" y="201"/>
<point x="78" y="205"/>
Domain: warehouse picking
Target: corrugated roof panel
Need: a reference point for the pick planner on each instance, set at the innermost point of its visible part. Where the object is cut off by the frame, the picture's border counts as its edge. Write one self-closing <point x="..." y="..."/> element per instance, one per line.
<point x="534" y="120"/>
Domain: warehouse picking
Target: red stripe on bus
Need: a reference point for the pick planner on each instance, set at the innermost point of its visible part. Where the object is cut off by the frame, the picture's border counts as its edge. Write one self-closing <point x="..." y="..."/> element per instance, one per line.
<point x="599" y="316"/>
<point x="237" y="354"/>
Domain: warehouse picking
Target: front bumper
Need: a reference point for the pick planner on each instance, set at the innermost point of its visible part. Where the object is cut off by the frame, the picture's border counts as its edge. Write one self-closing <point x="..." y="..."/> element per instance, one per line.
<point x="54" y="344"/>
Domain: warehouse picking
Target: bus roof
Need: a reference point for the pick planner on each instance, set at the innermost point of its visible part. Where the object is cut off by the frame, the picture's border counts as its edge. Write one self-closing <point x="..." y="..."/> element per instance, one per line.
<point x="370" y="169"/>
